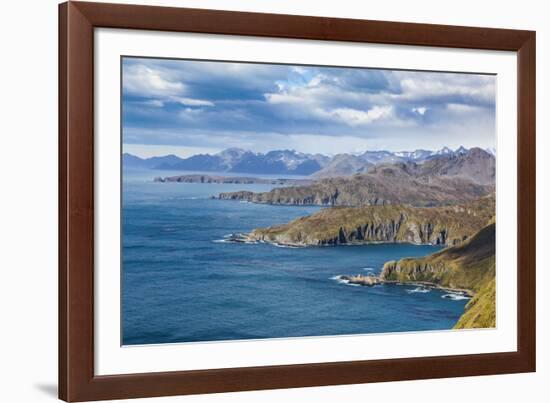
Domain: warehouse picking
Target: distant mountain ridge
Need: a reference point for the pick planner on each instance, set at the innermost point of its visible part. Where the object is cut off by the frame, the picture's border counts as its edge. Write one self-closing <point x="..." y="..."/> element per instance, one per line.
<point x="291" y="162"/>
<point x="343" y="165"/>
<point x="287" y="162"/>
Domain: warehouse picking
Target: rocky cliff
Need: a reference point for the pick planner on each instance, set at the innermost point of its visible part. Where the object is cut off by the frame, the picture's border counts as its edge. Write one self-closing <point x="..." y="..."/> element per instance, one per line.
<point x="389" y="223"/>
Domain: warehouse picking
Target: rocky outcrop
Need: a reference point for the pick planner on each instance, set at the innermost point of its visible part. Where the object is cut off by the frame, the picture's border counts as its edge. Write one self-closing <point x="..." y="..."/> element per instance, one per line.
<point x="370" y="224"/>
<point x="361" y="279"/>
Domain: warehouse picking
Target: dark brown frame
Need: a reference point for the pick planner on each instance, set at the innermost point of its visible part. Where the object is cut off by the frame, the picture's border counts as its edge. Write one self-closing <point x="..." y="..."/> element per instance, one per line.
<point x="77" y="21"/>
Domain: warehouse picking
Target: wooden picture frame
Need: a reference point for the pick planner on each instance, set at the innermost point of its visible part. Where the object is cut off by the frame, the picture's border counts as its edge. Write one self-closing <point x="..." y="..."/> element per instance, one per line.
<point x="77" y="381"/>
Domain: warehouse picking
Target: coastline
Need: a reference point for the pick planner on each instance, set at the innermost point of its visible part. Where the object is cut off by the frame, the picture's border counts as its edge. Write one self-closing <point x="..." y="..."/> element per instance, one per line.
<point x="428" y="284"/>
<point x="248" y="237"/>
<point x="371" y="280"/>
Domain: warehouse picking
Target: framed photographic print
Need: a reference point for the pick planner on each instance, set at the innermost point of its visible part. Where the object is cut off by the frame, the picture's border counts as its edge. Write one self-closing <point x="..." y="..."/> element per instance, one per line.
<point x="257" y="201"/>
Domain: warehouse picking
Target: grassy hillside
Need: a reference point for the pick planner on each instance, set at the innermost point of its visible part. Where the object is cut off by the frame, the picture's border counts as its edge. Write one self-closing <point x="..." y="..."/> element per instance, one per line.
<point x="389" y="223"/>
<point x="481" y="310"/>
<point x="470" y="266"/>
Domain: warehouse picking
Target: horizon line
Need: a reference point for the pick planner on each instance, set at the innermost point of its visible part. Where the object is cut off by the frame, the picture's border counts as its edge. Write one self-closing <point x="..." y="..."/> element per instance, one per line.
<point x="355" y="153"/>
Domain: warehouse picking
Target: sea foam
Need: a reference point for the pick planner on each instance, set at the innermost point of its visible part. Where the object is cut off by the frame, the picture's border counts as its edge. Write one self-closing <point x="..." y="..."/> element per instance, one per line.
<point x="340" y="280"/>
<point x="421" y="290"/>
<point x="455" y="296"/>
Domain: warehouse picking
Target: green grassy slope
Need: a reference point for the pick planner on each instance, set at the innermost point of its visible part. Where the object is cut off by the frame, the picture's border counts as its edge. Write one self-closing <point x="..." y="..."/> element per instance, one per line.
<point x="481" y="310"/>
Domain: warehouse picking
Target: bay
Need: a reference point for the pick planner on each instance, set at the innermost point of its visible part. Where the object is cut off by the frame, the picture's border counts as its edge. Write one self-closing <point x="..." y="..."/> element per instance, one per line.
<point x="183" y="282"/>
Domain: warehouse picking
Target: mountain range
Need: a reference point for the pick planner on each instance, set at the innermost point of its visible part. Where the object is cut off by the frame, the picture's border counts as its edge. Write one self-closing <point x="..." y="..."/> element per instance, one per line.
<point x="289" y="162"/>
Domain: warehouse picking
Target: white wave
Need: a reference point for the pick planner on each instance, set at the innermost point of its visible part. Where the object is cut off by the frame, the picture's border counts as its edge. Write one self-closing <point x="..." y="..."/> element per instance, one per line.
<point x="455" y="297"/>
<point x="367" y="269"/>
<point x="421" y="290"/>
<point x="279" y="245"/>
<point x="340" y="280"/>
<point x="234" y="238"/>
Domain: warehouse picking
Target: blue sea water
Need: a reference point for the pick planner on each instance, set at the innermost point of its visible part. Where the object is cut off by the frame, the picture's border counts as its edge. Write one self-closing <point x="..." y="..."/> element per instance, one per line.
<point x="182" y="283"/>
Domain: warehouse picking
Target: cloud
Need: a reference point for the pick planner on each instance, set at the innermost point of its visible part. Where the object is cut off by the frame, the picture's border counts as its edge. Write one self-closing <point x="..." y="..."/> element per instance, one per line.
<point x="420" y="110"/>
<point x="252" y="104"/>
<point x="354" y="117"/>
<point x="447" y="87"/>
<point x="145" y="81"/>
<point x="155" y="103"/>
<point x="191" y="101"/>
<point x="462" y="108"/>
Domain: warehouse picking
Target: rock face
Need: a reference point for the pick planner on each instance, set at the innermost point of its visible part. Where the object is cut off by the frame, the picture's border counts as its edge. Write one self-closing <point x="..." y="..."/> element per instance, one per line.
<point x="343" y="165"/>
<point x="381" y="185"/>
<point x="468" y="266"/>
<point x="241" y="195"/>
<point x="455" y="267"/>
<point x="359" y="225"/>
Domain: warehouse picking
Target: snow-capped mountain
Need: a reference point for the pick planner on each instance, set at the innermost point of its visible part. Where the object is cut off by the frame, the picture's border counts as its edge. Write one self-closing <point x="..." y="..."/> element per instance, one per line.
<point x="419" y="156"/>
<point x="443" y="151"/>
<point x="277" y="162"/>
<point x="231" y="155"/>
<point x="461" y="150"/>
<point x="289" y="162"/>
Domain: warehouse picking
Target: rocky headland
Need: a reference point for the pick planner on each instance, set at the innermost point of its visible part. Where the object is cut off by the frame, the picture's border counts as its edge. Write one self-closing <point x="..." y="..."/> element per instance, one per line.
<point x="467" y="269"/>
<point x="388" y="223"/>
<point x="469" y="266"/>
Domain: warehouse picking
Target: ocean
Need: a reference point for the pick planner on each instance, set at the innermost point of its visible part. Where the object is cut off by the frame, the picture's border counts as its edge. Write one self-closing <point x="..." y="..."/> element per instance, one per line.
<point x="182" y="281"/>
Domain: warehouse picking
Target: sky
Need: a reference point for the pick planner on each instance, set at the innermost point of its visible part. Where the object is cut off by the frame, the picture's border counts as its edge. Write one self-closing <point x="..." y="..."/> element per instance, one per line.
<point x="186" y="107"/>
